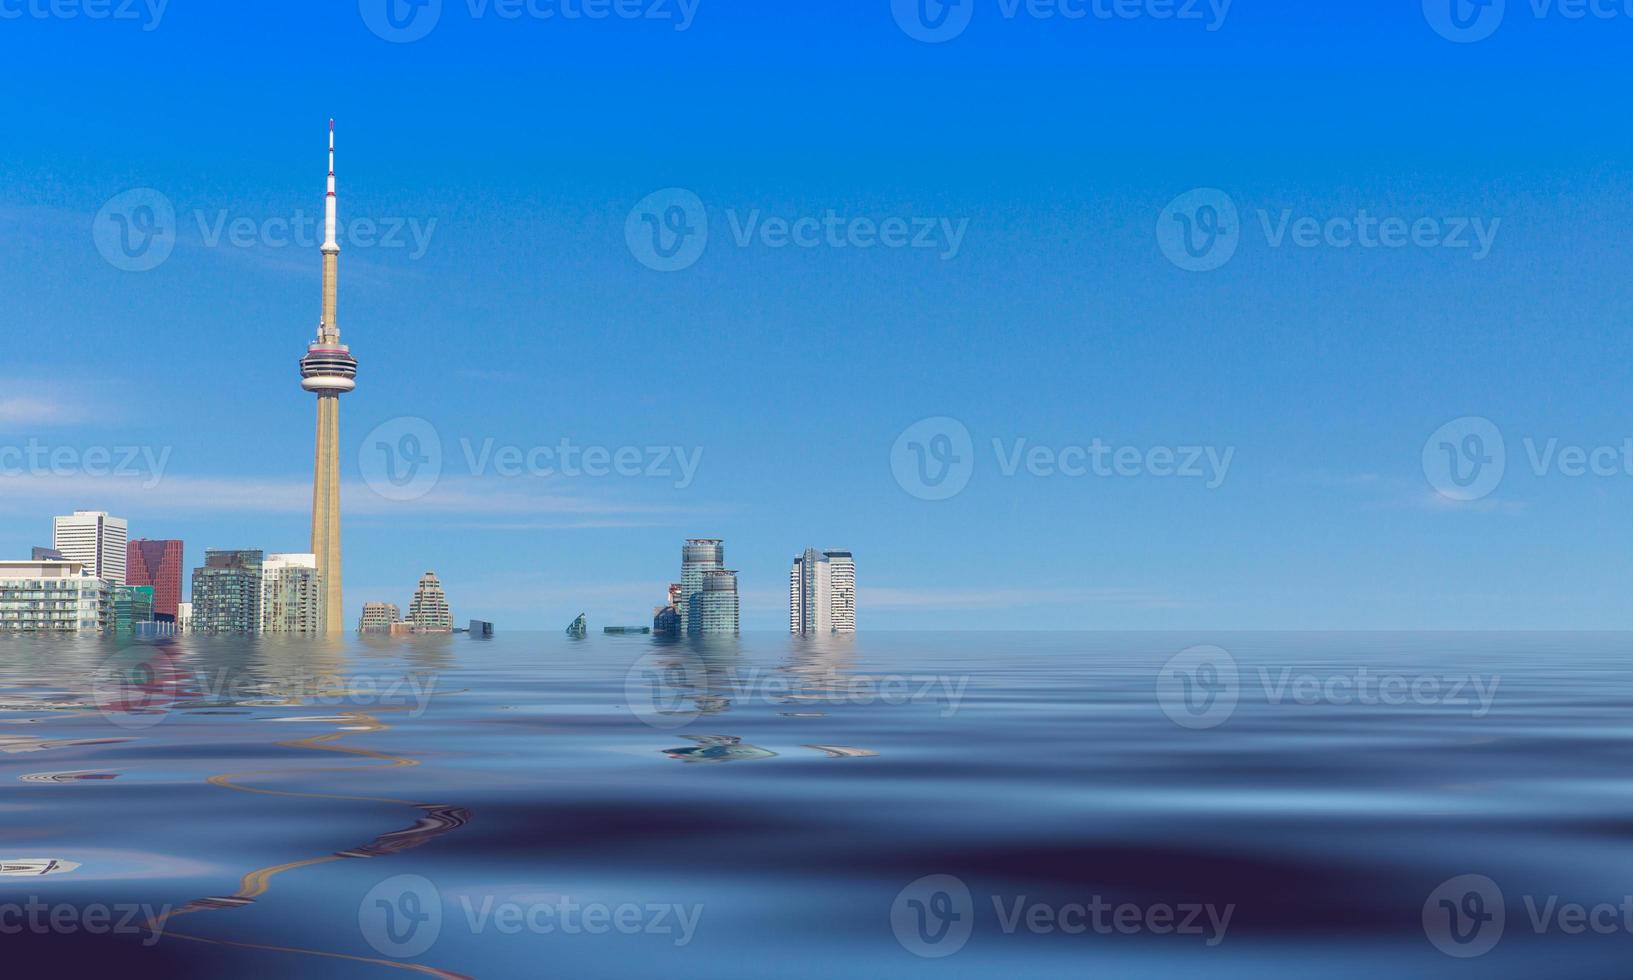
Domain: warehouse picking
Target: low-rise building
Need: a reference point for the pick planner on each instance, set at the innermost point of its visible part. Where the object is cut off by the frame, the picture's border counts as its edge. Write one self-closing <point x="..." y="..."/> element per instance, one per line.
<point x="133" y="607"/>
<point x="53" y="596"/>
<point x="379" y="617"/>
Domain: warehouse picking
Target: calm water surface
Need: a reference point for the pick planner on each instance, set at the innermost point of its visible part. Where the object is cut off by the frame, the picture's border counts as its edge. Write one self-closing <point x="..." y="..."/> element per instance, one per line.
<point x="535" y="805"/>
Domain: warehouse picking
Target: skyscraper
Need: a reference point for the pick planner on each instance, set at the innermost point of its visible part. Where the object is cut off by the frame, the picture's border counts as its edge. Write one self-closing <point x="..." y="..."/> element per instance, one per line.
<point x="329" y="370"/>
<point x="715" y="609"/>
<point x="159" y="564"/>
<point x="429" y="612"/>
<point x="822" y="593"/>
<point x="227" y="592"/>
<point x="95" y="540"/>
<point x="697" y="557"/>
<point x="291" y="595"/>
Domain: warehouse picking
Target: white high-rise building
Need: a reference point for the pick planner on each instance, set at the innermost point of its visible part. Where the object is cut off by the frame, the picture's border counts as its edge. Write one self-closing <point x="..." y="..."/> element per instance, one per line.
<point x="95" y="540"/>
<point x="698" y="557"/>
<point x="292" y="594"/>
<point x="822" y="593"/>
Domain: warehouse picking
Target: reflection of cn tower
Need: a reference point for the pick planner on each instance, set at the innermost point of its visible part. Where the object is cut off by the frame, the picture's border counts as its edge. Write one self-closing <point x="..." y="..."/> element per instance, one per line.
<point x="329" y="370"/>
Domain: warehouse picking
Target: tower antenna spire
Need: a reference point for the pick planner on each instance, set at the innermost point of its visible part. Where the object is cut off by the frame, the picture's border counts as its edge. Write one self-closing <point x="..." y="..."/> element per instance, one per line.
<point x="328" y="326"/>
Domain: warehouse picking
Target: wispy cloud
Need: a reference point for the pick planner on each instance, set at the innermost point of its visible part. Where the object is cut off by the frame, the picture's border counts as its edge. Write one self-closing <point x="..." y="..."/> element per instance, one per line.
<point x="919" y="598"/>
<point x="1440" y="503"/>
<point x="38" y="410"/>
<point x="145" y="493"/>
<point x="1394" y="493"/>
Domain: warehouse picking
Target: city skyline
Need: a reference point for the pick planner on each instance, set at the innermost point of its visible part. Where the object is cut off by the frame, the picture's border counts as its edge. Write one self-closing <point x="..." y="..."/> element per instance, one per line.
<point x="503" y="307"/>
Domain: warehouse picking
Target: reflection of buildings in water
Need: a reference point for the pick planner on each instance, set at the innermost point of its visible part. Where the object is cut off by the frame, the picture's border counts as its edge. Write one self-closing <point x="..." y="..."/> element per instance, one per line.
<point x="434" y="821"/>
<point x="34" y="867"/>
<point x="439" y="819"/>
<point x="75" y="776"/>
<point x="717" y="748"/>
<point x="842" y="751"/>
<point x="705" y="671"/>
<point x="144" y="678"/>
<point x="819" y="667"/>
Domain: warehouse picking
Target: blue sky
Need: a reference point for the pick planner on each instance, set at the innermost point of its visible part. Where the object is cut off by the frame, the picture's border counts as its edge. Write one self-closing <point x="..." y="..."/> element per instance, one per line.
<point x="521" y="316"/>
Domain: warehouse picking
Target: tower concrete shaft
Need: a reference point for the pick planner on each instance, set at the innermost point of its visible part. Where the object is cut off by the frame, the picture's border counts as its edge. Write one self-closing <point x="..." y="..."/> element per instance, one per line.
<point x="326" y="511"/>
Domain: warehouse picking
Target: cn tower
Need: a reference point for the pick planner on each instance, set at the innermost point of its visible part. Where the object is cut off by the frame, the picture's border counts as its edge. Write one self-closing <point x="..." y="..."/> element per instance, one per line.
<point x="328" y="370"/>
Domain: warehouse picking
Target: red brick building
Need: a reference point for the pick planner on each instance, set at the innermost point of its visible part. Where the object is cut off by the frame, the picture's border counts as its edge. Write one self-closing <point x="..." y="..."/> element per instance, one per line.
<point x="156" y="563"/>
